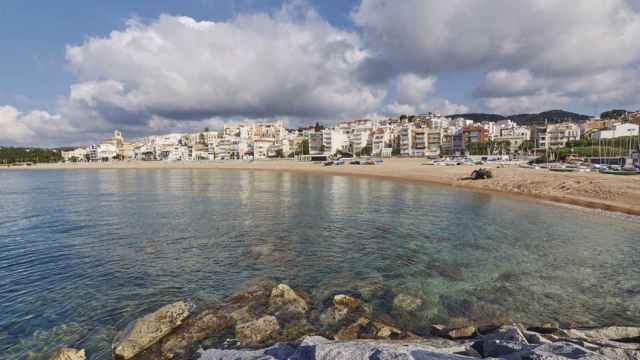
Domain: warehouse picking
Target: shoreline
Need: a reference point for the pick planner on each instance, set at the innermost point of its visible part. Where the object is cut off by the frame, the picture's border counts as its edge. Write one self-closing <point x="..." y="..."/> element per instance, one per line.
<point x="272" y="320"/>
<point x="609" y="193"/>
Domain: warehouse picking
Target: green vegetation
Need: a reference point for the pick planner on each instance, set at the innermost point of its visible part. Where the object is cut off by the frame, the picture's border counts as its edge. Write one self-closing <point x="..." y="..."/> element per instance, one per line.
<point x="613" y="114"/>
<point x="618" y="147"/>
<point x="489" y="148"/>
<point x="303" y="148"/>
<point x="551" y="117"/>
<point x="13" y="155"/>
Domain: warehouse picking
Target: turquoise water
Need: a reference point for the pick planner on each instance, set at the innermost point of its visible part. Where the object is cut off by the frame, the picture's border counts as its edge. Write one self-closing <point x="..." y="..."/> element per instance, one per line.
<point x="82" y="253"/>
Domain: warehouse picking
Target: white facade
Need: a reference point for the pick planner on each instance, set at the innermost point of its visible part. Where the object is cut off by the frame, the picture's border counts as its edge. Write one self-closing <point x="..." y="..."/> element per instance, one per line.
<point x="620" y="130"/>
<point x="106" y="152"/>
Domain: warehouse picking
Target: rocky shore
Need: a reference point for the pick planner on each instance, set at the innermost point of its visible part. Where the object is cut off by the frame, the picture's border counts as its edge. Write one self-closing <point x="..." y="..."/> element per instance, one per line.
<point x="275" y="321"/>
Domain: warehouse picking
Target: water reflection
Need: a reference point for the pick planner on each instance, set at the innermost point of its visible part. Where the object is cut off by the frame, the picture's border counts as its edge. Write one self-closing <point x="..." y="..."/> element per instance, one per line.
<point x="99" y="248"/>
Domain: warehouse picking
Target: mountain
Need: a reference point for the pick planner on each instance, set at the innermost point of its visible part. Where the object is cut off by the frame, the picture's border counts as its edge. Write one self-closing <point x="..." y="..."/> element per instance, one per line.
<point x="552" y="117"/>
<point x="613" y="114"/>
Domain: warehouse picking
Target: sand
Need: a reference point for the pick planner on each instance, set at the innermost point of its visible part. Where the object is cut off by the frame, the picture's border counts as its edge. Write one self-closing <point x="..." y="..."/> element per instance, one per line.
<point x="586" y="189"/>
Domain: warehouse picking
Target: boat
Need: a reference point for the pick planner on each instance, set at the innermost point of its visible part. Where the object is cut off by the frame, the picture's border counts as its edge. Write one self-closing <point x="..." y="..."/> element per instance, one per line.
<point x="626" y="172"/>
<point x="327" y="163"/>
<point x="379" y="161"/>
<point x="355" y="162"/>
<point x="563" y="169"/>
<point x="371" y="162"/>
<point x="338" y="162"/>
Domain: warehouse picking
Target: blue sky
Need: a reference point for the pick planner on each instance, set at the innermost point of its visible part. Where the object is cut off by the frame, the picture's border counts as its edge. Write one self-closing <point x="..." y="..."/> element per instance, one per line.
<point x="72" y="71"/>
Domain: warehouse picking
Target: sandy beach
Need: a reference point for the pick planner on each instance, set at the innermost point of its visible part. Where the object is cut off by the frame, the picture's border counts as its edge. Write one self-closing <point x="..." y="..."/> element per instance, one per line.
<point x="586" y="189"/>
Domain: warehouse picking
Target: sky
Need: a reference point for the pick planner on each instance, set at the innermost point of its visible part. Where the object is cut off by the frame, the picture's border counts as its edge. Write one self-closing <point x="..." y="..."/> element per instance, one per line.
<point x="71" y="72"/>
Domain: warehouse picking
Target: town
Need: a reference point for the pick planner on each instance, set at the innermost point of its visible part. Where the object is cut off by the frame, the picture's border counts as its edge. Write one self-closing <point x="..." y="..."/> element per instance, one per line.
<point x="425" y="135"/>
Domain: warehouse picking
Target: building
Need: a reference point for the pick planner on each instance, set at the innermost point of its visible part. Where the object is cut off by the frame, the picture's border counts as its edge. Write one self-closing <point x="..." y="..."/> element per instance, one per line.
<point x="515" y="135"/>
<point x="619" y="130"/>
<point x="106" y="152"/>
<point x="474" y="133"/>
<point x="316" y="146"/>
<point x="434" y="141"/>
<point x="406" y="140"/>
<point x="261" y="147"/>
<point x="76" y="155"/>
<point x="559" y="134"/>
<point x="419" y="140"/>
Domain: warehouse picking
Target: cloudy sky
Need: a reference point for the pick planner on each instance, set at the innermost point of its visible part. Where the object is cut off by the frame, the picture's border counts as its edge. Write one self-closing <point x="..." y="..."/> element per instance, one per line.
<point x="72" y="71"/>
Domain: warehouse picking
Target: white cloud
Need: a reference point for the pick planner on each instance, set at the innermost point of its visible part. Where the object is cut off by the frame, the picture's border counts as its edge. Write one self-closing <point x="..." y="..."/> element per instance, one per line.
<point x="412" y="88"/>
<point x="435" y="105"/>
<point x="27" y="128"/>
<point x="527" y="103"/>
<point x="553" y="36"/>
<point x="536" y="54"/>
<point x="291" y="63"/>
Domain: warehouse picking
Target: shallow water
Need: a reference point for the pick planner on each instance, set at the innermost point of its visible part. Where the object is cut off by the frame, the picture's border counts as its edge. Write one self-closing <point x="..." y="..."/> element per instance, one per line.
<point x="82" y="253"/>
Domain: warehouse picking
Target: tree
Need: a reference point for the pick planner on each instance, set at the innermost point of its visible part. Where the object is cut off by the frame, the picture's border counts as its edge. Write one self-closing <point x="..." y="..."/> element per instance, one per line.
<point x="526" y="146"/>
<point x="303" y="147"/>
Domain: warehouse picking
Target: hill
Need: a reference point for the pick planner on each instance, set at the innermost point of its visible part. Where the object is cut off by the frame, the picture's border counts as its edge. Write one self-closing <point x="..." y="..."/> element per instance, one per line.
<point x="552" y="117"/>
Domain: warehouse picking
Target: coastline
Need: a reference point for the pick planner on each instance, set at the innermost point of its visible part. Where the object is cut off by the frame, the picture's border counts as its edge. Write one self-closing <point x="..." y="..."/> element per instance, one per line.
<point x="589" y="190"/>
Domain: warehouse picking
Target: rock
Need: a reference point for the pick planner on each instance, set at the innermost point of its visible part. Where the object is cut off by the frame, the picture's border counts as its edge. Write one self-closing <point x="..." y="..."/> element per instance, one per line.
<point x="296" y="330"/>
<point x="561" y="351"/>
<point x="459" y="333"/>
<point x="546" y="328"/>
<point x="242" y="314"/>
<point x="206" y="324"/>
<point x="364" y="328"/>
<point x="407" y="303"/>
<point x="257" y="295"/>
<point x="318" y="348"/>
<point x="535" y="338"/>
<point x="501" y="348"/>
<point x="66" y="353"/>
<point x="346" y="301"/>
<point x="386" y="331"/>
<point x="278" y="351"/>
<point x="344" y="308"/>
<point x="619" y="354"/>
<point x="256" y="332"/>
<point x="608" y="333"/>
<point x="504" y="341"/>
<point x="357" y="330"/>
<point x="437" y="329"/>
<point x="148" y="330"/>
<point x="284" y="300"/>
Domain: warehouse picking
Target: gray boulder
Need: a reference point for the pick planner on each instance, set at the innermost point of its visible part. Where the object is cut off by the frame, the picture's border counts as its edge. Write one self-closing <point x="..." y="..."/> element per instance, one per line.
<point x="560" y="351"/>
<point x="505" y="340"/>
<point x="619" y="354"/>
<point x="607" y="333"/>
<point x="318" y="348"/>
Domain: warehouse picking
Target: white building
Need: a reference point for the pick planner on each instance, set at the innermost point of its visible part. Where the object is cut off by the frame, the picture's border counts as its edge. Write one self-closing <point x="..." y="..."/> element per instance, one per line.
<point x="557" y="135"/>
<point x="620" y="130"/>
<point x="106" y="152"/>
<point x="76" y="155"/>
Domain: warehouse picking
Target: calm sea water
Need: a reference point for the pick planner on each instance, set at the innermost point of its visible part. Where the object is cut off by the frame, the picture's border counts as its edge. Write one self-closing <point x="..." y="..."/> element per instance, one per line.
<point x="82" y="253"/>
